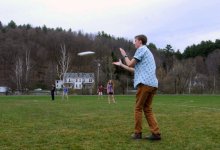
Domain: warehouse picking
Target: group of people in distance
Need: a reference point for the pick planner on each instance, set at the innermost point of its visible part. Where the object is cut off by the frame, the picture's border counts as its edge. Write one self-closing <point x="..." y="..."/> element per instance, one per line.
<point x="65" y="92"/>
<point x="110" y="91"/>
<point x="100" y="91"/>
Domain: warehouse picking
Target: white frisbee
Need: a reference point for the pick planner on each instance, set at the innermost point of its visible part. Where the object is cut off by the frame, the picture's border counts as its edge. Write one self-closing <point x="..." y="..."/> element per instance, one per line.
<point x="86" y="53"/>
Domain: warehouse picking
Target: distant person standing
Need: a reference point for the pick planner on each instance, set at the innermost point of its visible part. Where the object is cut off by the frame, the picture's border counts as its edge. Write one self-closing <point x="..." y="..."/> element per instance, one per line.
<point x="110" y="91"/>
<point x="100" y="91"/>
<point x="53" y="89"/>
<point x="65" y="93"/>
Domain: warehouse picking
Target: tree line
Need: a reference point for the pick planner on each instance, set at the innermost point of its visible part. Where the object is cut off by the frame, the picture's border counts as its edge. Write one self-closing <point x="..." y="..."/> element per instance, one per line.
<point x="30" y="56"/>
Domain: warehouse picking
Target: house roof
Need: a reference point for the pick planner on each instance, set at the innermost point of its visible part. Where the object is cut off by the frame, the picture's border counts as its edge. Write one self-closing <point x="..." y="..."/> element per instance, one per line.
<point x="79" y="75"/>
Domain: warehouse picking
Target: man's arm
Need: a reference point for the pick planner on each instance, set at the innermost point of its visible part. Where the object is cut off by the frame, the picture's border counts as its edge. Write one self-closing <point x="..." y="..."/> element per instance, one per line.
<point x="129" y="63"/>
<point x="131" y="69"/>
<point x="119" y="63"/>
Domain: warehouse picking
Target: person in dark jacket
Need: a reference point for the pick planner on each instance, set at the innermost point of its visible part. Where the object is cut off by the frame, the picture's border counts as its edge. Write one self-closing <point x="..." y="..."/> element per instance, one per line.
<point x="53" y="89"/>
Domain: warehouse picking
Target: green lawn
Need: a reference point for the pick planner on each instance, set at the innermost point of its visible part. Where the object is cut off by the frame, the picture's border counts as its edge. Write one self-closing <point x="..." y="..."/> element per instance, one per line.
<point x="84" y="122"/>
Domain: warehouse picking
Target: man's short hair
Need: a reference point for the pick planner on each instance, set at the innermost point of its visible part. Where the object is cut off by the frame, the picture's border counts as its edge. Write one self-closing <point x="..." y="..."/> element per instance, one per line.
<point x="142" y="38"/>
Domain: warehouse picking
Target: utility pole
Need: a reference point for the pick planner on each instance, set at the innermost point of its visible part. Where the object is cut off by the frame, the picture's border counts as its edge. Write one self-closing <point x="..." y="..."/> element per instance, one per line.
<point x="98" y="73"/>
<point x="190" y="85"/>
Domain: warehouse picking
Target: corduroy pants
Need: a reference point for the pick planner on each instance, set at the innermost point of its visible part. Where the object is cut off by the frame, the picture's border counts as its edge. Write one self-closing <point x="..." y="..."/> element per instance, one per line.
<point x="144" y="98"/>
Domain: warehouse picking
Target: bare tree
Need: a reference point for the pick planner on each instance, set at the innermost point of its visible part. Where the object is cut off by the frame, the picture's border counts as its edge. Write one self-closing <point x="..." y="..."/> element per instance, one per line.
<point x="108" y="68"/>
<point x="213" y="62"/>
<point x="27" y="67"/>
<point x="19" y="73"/>
<point x="63" y="62"/>
<point x="182" y="73"/>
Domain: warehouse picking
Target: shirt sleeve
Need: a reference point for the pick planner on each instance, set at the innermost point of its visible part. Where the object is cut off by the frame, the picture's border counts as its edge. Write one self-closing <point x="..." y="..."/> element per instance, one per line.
<point x="139" y="54"/>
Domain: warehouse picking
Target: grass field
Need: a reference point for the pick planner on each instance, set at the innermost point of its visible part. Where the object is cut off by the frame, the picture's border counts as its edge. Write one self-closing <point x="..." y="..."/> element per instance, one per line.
<point x="84" y="122"/>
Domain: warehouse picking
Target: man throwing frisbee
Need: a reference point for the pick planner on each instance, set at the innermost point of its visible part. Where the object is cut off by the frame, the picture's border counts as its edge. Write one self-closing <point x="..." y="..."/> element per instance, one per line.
<point x="145" y="80"/>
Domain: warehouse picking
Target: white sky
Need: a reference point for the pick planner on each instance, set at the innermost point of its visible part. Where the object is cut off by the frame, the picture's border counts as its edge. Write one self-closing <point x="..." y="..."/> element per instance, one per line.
<point x="177" y="22"/>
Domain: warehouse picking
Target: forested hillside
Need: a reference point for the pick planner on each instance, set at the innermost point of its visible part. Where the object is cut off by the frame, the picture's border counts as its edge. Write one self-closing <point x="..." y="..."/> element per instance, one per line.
<point x="29" y="58"/>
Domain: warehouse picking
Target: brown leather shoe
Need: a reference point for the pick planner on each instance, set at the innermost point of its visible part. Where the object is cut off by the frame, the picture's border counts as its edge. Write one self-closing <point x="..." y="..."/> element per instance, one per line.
<point x="136" y="136"/>
<point x="153" y="137"/>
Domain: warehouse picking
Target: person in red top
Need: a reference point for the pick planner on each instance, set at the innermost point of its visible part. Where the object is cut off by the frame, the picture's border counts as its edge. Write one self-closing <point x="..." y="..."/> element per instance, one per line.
<point x="100" y="91"/>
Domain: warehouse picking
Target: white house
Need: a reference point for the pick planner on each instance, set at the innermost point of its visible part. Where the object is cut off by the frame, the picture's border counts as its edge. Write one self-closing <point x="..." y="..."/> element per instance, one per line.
<point x="59" y="84"/>
<point x="77" y="80"/>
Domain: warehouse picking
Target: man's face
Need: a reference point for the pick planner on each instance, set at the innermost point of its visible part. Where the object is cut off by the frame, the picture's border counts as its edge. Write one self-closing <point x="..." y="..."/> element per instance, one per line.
<point x="137" y="43"/>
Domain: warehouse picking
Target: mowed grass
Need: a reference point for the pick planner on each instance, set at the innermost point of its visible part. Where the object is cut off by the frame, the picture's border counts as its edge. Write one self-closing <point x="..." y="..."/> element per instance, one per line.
<point x="84" y="122"/>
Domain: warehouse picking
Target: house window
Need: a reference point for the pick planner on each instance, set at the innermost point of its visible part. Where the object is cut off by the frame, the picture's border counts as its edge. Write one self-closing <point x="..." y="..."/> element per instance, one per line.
<point x="76" y="85"/>
<point x="69" y="80"/>
<point x="57" y="81"/>
<point x="76" y="80"/>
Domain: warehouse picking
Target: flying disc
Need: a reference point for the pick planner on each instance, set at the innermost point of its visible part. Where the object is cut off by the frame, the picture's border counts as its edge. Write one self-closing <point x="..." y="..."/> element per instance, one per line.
<point x="86" y="53"/>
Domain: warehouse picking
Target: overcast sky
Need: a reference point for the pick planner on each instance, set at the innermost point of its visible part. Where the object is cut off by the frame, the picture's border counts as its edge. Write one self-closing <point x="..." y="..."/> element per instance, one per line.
<point x="177" y="22"/>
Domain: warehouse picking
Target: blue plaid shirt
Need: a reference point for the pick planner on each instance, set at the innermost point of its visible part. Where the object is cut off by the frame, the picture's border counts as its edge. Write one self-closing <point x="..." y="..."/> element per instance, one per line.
<point x="145" y="68"/>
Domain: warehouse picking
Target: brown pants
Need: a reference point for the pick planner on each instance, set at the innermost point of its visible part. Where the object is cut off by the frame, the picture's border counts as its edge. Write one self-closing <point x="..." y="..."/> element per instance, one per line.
<point x="144" y="98"/>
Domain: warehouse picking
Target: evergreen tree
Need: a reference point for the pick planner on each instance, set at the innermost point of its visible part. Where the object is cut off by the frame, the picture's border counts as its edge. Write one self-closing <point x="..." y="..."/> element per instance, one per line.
<point x="44" y="29"/>
<point x="152" y="46"/>
<point x="1" y="26"/>
<point x="12" y="24"/>
<point x="178" y="55"/>
<point x="202" y="49"/>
